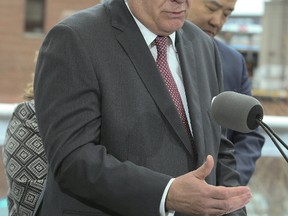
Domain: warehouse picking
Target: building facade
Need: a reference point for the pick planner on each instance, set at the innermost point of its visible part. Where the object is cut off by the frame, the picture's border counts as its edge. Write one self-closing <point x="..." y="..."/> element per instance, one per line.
<point x="23" y="25"/>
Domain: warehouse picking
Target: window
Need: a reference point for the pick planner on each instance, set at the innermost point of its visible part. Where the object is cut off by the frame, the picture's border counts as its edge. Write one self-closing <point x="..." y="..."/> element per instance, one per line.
<point x="34" y="16"/>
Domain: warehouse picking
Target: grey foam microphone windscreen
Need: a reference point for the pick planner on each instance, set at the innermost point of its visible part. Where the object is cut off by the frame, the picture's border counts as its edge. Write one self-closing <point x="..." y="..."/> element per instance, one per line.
<point x="236" y="111"/>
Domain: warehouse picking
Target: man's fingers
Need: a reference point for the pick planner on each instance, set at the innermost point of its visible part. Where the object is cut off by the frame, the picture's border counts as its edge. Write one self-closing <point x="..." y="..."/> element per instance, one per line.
<point x="230" y="199"/>
<point x="206" y="168"/>
<point x="216" y="206"/>
<point x="238" y="202"/>
<point x="223" y="193"/>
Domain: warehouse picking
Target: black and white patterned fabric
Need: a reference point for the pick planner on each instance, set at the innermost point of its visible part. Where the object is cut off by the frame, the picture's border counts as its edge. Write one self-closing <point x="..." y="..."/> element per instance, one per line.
<point x="25" y="161"/>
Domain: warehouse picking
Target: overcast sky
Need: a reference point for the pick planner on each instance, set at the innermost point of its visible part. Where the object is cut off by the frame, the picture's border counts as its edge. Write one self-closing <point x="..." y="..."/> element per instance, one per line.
<point x="244" y="7"/>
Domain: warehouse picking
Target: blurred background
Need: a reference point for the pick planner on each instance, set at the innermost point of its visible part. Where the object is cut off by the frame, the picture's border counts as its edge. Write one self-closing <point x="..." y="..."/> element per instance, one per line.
<point x="257" y="28"/>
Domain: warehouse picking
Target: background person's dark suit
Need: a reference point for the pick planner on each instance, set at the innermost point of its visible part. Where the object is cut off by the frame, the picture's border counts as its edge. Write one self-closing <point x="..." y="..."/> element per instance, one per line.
<point x="98" y="91"/>
<point x="247" y="146"/>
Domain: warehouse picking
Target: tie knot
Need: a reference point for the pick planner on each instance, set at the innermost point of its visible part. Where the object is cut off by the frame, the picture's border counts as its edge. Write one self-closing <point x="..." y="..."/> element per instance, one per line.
<point x="161" y="43"/>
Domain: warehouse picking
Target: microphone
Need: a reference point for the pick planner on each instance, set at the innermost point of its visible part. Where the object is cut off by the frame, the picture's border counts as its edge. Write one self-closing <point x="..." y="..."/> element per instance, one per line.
<point x="236" y="111"/>
<point x="242" y="113"/>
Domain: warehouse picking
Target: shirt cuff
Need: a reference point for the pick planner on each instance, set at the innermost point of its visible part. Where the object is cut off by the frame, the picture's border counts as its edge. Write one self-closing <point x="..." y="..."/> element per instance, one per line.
<point x="162" y="203"/>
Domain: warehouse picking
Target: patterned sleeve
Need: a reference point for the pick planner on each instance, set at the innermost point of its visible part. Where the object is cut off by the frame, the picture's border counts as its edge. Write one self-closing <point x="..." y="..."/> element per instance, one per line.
<point x="25" y="160"/>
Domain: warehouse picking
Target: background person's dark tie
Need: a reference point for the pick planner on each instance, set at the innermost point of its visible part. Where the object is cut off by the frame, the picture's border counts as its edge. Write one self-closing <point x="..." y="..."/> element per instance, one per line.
<point x="162" y="64"/>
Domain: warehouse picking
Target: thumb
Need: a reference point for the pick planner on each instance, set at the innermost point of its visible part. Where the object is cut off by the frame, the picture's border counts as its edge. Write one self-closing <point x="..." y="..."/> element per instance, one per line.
<point x="206" y="168"/>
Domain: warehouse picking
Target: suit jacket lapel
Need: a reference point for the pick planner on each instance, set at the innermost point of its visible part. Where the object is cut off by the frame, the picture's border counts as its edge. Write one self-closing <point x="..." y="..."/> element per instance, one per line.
<point x="147" y="70"/>
<point x="189" y="72"/>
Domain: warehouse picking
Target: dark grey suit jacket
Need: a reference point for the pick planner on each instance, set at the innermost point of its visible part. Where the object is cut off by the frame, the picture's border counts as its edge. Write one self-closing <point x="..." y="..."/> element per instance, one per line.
<point x="111" y="132"/>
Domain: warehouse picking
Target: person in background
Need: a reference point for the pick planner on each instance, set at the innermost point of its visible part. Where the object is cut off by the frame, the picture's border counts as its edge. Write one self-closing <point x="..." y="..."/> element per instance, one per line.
<point x="24" y="158"/>
<point x="210" y="16"/>
<point x="125" y="122"/>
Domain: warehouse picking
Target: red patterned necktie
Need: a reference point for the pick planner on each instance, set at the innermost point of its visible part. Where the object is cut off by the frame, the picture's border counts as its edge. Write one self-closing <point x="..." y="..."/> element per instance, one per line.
<point x="162" y="64"/>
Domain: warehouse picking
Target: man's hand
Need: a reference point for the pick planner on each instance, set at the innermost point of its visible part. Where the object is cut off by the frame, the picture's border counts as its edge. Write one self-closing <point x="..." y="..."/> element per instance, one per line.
<point x="191" y="195"/>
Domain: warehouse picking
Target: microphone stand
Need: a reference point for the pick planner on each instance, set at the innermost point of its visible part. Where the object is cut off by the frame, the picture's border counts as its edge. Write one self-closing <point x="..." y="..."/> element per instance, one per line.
<point x="273" y="135"/>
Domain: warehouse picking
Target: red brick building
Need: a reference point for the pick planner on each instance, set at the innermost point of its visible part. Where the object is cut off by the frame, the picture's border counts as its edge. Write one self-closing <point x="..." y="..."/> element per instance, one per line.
<point x="23" y="25"/>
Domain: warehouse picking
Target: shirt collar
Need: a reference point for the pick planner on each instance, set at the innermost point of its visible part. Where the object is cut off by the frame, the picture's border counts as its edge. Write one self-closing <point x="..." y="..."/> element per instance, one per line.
<point x="149" y="36"/>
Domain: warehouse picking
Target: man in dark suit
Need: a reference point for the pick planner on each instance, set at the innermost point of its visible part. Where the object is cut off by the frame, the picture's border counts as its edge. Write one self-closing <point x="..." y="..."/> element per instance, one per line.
<point x="210" y="16"/>
<point x="115" y="140"/>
